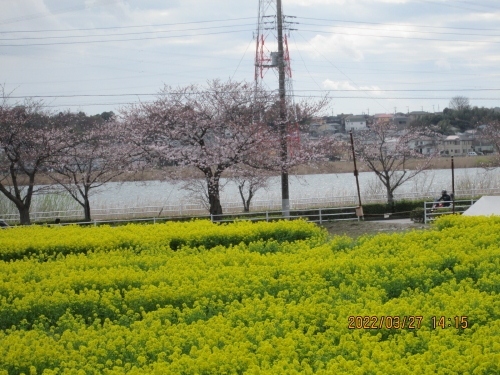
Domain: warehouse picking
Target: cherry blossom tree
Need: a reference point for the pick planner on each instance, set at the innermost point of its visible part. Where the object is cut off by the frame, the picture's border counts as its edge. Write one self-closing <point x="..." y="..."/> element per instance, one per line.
<point x="95" y="159"/>
<point x="210" y="129"/>
<point x="490" y="134"/>
<point x="249" y="180"/>
<point x="214" y="128"/>
<point x="29" y="138"/>
<point x="385" y="151"/>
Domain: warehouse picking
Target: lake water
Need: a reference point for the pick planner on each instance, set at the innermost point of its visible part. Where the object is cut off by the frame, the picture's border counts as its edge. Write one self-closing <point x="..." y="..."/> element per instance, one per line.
<point x="316" y="186"/>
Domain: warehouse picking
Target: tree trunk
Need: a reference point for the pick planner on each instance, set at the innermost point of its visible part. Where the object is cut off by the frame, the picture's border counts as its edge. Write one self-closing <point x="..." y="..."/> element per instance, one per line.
<point x="24" y="215"/>
<point x="249" y="199"/>
<point x="86" y="209"/>
<point x="246" y="202"/>
<point x="213" y="194"/>
<point x="215" y="206"/>
<point x="390" y="199"/>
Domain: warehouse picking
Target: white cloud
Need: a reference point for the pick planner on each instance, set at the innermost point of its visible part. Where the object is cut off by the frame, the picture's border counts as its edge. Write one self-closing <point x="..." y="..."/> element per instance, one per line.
<point x="25" y="15"/>
<point x="310" y="3"/>
<point x="345" y="85"/>
<point x="336" y="44"/>
<point x="396" y="51"/>
<point x="443" y="64"/>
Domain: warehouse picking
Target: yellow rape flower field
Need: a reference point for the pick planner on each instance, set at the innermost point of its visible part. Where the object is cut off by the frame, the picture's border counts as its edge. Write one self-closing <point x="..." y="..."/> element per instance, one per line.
<point x="250" y="298"/>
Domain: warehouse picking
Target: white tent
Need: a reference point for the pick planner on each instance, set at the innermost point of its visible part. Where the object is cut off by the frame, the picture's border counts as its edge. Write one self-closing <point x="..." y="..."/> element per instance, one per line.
<point x="485" y="206"/>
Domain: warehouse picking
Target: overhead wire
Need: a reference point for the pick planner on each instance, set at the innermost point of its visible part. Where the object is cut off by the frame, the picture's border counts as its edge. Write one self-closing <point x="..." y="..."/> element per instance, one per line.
<point x="59" y="11"/>
<point x="236" y="31"/>
<point x="303" y="62"/>
<point x="296" y="96"/>
<point x="127" y="27"/>
<point x="449" y="5"/>
<point x="395" y="30"/>
<point x="242" y="57"/>
<point x="396" y="24"/>
<point x="401" y="37"/>
<point x="341" y="72"/>
<point x="121" y="40"/>
<point x="121" y="34"/>
<point x="305" y="90"/>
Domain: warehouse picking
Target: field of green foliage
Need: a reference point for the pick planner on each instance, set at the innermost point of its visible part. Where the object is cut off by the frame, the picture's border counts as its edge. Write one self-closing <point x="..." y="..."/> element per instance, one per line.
<point x="250" y="298"/>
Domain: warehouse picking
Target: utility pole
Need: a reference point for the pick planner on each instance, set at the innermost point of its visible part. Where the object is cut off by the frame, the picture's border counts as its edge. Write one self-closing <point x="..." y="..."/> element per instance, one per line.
<point x="271" y="28"/>
<point x="285" y="192"/>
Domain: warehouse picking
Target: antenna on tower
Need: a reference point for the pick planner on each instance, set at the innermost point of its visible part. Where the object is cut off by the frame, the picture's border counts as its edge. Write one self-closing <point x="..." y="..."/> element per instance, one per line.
<point x="271" y="52"/>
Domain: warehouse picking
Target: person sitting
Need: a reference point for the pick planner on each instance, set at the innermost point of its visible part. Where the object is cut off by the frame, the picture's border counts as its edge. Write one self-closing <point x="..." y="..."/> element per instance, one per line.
<point x="445" y="198"/>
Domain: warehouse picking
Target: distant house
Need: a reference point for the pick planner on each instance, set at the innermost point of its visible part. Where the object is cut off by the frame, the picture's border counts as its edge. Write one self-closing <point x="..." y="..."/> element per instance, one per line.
<point x="335" y="122"/>
<point x="481" y="143"/>
<point x="355" y="123"/>
<point x="456" y="145"/>
<point x="382" y="118"/>
<point x="414" y="115"/>
<point x="425" y="145"/>
<point x="483" y="146"/>
<point x="401" y="121"/>
<point x="323" y="129"/>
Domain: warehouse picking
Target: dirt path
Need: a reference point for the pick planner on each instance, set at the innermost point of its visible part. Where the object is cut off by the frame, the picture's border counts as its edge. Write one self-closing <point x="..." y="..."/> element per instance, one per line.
<point x="355" y="229"/>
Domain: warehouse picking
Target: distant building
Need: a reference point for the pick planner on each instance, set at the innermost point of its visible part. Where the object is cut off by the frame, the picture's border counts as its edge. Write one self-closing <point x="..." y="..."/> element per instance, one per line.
<point x="325" y="126"/>
<point x="416" y="115"/>
<point x="355" y="123"/>
<point x="456" y="145"/>
<point x="382" y="118"/>
<point x="425" y="145"/>
<point x="401" y="121"/>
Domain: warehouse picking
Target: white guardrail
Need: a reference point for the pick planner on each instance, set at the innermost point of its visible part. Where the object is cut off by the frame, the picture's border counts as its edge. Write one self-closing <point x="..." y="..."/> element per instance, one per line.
<point x="459" y="206"/>
<point x="188" y="209"/>
<point x="317" y="215"/>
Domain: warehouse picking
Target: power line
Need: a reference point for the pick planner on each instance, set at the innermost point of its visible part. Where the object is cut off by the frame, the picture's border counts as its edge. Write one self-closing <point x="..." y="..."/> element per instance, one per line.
<point x="60" y="11"/>
<point x="122" y="40"/>
<point x="341" y="72"/>
<point x="395" y="24"/>
<point x="126" y="27"/>
<point x="121" y="34"/>
<point x="447" y="5"/>
<point x="296" y="96"/>
<point x="201" y="92"/>
<point x="413" y="31"/>
<point x="402" y="37"/>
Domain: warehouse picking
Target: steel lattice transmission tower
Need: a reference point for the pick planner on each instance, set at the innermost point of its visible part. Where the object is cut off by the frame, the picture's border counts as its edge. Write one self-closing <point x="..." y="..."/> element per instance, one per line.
<point x="271" y="53"/>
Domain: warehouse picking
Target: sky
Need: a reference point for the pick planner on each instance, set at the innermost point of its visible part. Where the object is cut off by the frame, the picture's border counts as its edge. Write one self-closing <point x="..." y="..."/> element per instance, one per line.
<point x="368" y="56"/>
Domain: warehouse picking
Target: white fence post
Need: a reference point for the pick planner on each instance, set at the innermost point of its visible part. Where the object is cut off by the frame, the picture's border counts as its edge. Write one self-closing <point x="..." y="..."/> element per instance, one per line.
<point x="320" y="218"/>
